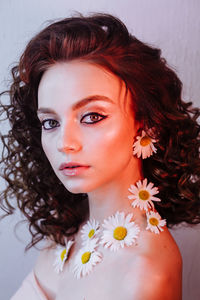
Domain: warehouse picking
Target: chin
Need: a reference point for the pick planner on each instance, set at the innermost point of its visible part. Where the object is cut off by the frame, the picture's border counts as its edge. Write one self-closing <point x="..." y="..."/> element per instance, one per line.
<point x="76" y="188"/>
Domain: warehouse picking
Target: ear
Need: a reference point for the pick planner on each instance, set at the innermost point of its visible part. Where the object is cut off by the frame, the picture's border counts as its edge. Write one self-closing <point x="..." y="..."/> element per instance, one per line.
<point x="139" y="126"/>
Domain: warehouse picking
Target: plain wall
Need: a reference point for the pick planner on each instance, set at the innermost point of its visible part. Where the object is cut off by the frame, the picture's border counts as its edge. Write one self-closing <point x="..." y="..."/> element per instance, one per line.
<point x="173" y="26"/>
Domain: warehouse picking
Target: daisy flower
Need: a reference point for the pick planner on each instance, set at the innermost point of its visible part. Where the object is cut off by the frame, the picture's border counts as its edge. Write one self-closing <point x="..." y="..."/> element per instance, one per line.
<point x="154" y="222"/>
<point x="89" y="230"/>
<point x="61" y="256"/>
<point x="143" y="194"/>
<point x="86" y="258"/>
<point x="119" y="231"/>
<point x="144" y="145"/>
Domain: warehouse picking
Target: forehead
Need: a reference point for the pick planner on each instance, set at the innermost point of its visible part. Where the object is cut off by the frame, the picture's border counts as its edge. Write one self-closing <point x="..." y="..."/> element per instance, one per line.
<point x="69" y="82"/>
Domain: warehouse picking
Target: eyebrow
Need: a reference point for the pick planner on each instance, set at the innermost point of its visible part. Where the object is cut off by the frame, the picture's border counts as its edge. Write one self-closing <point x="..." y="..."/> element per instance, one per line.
<point x="80" y="103"/>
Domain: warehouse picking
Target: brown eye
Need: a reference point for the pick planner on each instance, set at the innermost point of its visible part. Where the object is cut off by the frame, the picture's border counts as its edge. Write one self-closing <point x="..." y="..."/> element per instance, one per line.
<point x="92" y="118"/>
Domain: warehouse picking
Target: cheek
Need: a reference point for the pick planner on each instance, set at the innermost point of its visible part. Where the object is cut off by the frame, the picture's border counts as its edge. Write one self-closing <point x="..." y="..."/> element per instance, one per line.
<point x="48" y="148"/>
<point x="44" y="144"/>
<point x="110" y="144"/>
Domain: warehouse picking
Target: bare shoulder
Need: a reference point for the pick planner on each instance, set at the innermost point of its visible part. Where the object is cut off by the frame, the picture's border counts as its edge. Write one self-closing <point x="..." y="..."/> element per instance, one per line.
<point x="45" y="258"/>
<point x="44" y="271"/>
<point x="156" y="271"/>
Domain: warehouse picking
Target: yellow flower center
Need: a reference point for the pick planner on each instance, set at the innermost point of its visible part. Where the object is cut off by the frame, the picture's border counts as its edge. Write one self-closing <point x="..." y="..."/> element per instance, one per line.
<point x="91" y="233"/>
<point x="62" y="255"/>
<point x="154" y="221"/>
<point x="120" y="233"/>
<point x="144" y="195"/>
<point x="85" y="257"/>
<point x="145" y="141"/>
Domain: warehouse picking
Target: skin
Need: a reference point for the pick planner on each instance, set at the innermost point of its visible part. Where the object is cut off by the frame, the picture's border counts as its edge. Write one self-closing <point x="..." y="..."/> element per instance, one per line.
<point x="96" y="145"/>
<point x="106" y="147"/>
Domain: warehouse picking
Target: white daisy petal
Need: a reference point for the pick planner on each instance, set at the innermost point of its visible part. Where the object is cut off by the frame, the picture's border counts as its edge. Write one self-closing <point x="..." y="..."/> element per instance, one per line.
<point x="144" y="182"/>
<point x="129" y="217"/>
<point x="61" y="254"/>
<point x="86" y="259"/>
<point x="143" y="195"/>
<point x="144" y="145"/>
<point x="154" y="222"/>
<point x="89" y="230"/>
<point x="119" y="232"/>
<point x="139" y="184"/>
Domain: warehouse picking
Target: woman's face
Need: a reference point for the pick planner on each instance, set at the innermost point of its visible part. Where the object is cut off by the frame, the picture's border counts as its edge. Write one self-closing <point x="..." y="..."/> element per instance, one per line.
<point x="88" y="120"/>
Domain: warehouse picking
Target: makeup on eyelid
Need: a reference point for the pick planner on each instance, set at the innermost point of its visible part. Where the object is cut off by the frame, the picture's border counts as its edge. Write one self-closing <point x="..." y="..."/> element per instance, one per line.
<point x="89" y="108"/>
<point x="102" y="117"/>
<point x="92" y="140"/>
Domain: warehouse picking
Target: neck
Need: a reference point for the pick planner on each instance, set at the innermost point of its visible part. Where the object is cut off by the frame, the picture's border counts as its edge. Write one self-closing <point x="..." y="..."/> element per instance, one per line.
<point x="113" y="196"/>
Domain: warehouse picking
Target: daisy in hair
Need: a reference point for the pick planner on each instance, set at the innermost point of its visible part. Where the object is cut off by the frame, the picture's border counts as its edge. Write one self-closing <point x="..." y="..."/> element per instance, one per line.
<point x="61" y="254"/>
<point x="86" y="258"/>
<point x="143" y="194"/>
<point x="119" y="231"/>
<point x="89" y="230"/>
<point x="144" y="146"/>
<point x="154" y="222"/>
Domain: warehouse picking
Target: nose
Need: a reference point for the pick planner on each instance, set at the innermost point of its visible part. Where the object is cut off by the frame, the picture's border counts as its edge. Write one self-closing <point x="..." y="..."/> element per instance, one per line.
<point x="69" y="140"/>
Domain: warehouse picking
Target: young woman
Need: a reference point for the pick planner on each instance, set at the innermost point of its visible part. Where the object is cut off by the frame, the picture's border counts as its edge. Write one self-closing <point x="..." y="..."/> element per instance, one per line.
<point x="102" y="157"/>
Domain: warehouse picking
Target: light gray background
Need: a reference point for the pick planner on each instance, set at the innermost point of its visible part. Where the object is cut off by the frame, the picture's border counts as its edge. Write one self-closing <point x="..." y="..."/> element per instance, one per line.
<point x="172" y="25"/>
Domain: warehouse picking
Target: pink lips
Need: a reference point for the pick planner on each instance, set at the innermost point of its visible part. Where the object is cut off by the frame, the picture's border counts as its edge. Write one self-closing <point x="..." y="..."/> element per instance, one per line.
<point x="72" y="168"/>
<point x="70" y="165"/>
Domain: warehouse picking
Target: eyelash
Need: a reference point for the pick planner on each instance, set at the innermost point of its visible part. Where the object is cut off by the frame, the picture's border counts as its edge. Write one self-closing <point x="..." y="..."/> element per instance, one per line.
<point x="89" y="114"/>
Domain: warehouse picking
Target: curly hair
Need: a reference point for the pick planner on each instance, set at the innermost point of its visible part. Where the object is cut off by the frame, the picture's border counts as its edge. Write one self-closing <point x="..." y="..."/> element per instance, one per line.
<point x="54" y="212"/>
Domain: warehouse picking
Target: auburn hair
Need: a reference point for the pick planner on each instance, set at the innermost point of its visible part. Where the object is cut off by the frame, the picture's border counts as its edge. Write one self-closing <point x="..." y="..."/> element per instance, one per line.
<point x="102" y="39"/>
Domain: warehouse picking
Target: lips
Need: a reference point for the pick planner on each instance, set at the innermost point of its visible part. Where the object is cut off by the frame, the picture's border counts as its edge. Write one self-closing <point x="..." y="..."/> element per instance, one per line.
<point x="70" y="165"/>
